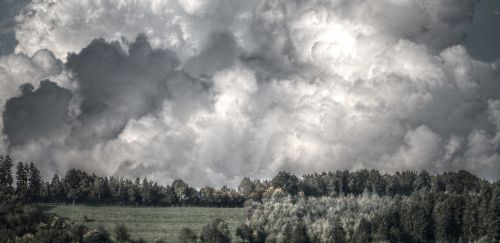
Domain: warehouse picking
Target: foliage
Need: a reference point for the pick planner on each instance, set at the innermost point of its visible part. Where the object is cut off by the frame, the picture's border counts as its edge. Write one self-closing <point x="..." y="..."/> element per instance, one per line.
<point x="121" y="233"/>
<point x="25" y="223"/>
<point x="423" y="216"/>
<point x="186" y="235"/>
<point x="216" y="232"/>
<point x="336" y="206"/>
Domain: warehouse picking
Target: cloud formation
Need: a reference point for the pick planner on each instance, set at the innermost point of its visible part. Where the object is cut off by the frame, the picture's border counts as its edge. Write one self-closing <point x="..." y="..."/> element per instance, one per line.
<point x="19" y="69"/>
<point x="36" y="114"/>
<point x="217" y="90"/>
<point x="116" y="86"/>
<point x="8" y="11"/>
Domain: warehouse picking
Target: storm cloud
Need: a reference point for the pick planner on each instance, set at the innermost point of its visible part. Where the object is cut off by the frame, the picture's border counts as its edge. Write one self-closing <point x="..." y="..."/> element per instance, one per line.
<point x="36" y="113"/>
<point x="116" y="86"/>
<point x="211" y="91"/>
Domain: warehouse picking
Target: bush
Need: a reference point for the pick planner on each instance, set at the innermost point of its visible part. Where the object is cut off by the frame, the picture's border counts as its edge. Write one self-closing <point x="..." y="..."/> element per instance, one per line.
<point x="187" y="236"/>
<point x="215" y="232"/>
<point x="244" y="232"/>
<point x="121" y="233"/>
<point x="96" y="236"/>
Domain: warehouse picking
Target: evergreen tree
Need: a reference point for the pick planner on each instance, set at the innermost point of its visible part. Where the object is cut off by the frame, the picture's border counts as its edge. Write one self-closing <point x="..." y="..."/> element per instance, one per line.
<point x="6" y="175"/>
<point x="416" y="218"/>
<point x="146" y="192"/>
<point x="448" y="219"/>
<point x="135" y="192"/>
<point x="100" y="189"/>
<point x="74" y="186"/>
<point x="338" y="233"/>
<point x="44" y="192"/>
<point x="21" y="180"/>
<point x="34" y="182"/>
<point x="168" y="196"/>
<point x="363" y="232"/>
<point x="494" y="222"/>
<point x="287" y="182"/>
<point x="471" y="221"/>
<point x="295" y="232"/>
<point x="485" y="195"/>
<point x="56" y="189"/>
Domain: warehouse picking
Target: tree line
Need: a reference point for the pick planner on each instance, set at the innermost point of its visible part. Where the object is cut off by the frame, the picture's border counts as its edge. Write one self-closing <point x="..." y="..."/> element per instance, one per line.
<point x="81" y="187"/>
<point x="423" y="216"/>
<point x="405" y="207"/>
<point x="337" y="206"/>
<point x="78" y="186"/>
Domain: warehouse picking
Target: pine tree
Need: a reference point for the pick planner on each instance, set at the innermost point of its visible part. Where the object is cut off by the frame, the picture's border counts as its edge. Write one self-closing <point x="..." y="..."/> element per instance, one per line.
<point x="416" y="218"/>
<point x="494" y="222"/>
<point x="146" y="192"/>
<point x="6" y="175"/>
<point x="485" y="195"/>
<point x="34" y="182"/>
<point x="338" y="233"/>
<point x="363" y="232"/>
<point x="448" y="215"/>
<point x="21" y="181"/>
<point x="471" y="222"/>
<point x="295" y="233"/>
<point x="56" y="189"/>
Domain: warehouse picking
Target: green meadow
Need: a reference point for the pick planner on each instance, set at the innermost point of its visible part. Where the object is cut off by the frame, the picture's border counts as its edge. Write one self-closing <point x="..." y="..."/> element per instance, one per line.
<point x="150" y="223"/>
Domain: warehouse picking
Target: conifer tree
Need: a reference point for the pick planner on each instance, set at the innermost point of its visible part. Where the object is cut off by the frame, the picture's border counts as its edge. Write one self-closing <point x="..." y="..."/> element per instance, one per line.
<point x="21" y="180"/>
<point x="34" y="182"/>
<point x="6" y="175"/>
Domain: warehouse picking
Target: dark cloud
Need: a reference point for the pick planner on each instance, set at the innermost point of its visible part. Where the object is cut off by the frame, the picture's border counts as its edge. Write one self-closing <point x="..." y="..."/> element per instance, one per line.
<point x="219" y="53"/>
<point x="484" y="35"/>
<point x="130" y="169"/>
<point x="8" y="11"/>
<point x="116" y="86"/>
<point x="36" y="114"/>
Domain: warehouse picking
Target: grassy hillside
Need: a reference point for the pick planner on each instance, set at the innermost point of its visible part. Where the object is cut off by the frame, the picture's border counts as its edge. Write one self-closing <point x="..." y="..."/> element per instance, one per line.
<point x="150" y="223"/>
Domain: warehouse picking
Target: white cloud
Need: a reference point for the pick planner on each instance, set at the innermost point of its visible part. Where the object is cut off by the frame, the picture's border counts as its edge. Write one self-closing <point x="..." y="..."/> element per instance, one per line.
<point x="275" y="85"/>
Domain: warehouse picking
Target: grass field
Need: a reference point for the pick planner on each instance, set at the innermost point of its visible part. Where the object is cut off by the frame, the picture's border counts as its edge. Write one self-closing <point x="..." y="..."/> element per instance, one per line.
<point x="150" y="223"/>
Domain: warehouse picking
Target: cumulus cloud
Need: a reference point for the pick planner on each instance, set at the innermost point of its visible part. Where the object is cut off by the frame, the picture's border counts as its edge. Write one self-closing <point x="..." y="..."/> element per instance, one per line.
<point x="116" y="86"/>
<point x="217" y="90"/>
<point x="19" y="69"/>
<point x="36" y="113"/>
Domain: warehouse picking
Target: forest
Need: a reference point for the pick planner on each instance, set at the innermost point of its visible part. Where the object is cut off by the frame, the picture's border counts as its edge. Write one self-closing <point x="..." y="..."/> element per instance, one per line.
<point x="337" y="206"/>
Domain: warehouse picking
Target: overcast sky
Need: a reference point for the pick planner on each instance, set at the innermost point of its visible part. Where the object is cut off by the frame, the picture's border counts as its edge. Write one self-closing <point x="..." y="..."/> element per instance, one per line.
<point x="214" y="90"/>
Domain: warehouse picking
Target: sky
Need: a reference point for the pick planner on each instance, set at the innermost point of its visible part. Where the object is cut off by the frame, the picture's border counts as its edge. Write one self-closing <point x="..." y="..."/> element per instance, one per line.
<point x="211" y="91"/>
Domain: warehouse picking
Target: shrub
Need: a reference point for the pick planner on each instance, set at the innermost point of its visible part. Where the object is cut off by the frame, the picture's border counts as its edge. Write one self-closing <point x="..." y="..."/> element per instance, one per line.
<point x="121" y="233"/>
<point x="215" y="232"/>
<point x="186" y="235"/>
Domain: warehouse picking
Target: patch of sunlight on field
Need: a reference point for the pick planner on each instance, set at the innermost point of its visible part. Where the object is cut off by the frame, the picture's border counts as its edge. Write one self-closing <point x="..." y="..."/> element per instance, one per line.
<point x="149" y="222"/>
